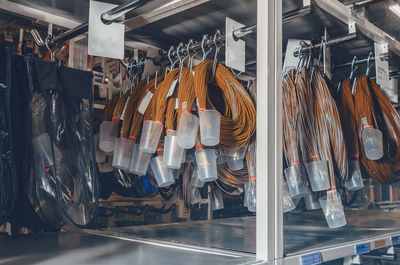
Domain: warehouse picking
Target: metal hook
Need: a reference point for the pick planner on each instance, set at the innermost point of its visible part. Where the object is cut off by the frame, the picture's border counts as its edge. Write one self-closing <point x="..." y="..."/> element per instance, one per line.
<point x="353" y="69"/>
<point x="319" y="60"/>
<point x="217" y="48"/>
<point x="191" y="56"/>
<point x="52" y="54"/>
<point x="169" y="57"/>
<point x="188" y="47"/>
<point x="369" y="64"/>
<point x="301" y="55"/>
<point x="205" y="53"/>
<point x="354" y="85"/>
<point x="181" y="60"/>
<point x="155" y="80"/>
<point x="338" y="87"/>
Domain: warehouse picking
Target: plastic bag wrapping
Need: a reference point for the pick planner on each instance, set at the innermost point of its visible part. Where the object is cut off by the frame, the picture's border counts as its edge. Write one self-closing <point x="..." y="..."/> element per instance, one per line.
<point x="8" y="177"/>
<point x="42" y="185"/>
<point x="68" y="94"/>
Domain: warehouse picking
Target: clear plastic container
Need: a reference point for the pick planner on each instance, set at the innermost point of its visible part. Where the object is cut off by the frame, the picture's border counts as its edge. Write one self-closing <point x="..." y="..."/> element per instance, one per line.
<point x="43" y="148"/>
<point x="150" y="136"/>
<point x="206" y="164"/>
<point x="296" y="179"/>
<point x="106" y="166"/>
<point x="354" y="181"/>
<point x="333" y="209"/>
<point x="287" y="201"/>
<point x="311" y="201"/>
<point x="210" y="123"/>
<point x="235" y="157"/>
<point x="194" y="195"/>
<point x="318" y="175"/>
<point x="173" y="153"/>
<point x="251" y="197"/>
<point x="220" y="153"/>
<point x="108" y="132"/>
<point x="161" y="173"/>
<point x="217" y="200"/>
<point x="140" y="161"/>
<point x="195" y="179"/>
<point x="123" y="153"/>
<point x="187" y="130"/>
<point x="373" y="143"/>
<point x="100" y="155"/>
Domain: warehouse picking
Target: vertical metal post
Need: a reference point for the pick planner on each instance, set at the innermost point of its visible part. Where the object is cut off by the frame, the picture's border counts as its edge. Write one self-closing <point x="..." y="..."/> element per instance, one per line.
<point x="269" y="244"/>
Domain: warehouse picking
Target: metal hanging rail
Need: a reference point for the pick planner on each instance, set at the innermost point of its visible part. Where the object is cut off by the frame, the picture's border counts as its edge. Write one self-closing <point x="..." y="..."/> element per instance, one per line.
<point x="111" y="15"/>
<point x="330" y="42"/>
<point x="243" y="32"/>
<point x="107" y="18"/>
<point x="385" y="56"/>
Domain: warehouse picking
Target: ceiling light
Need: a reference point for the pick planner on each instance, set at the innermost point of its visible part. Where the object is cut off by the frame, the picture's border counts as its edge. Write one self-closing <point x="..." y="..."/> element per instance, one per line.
<point x="395" y="8"/>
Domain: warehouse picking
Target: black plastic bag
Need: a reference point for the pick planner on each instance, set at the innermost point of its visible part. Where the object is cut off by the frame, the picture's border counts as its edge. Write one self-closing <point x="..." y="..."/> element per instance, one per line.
<point x="8" y="173"/>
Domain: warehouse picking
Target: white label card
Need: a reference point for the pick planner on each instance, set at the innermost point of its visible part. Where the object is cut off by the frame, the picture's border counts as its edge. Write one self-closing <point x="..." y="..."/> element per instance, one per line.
<point x="145" y="102"/>
<point x="176" y="103"/>
<point x="197" y="103"/>
<point x="172" y="88"/>
<point x="184" y="105"/>
<point x="381" y="66"/>
<point x="123" y="112"/>
<point x="104" y="40"/>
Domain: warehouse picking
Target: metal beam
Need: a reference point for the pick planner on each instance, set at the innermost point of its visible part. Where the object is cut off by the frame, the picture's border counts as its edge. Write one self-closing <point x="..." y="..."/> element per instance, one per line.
<point x="269" y="223"/>
<point x="347" y="16"/>
<point x="38" y="14"/>
<point x="166" y="10"/>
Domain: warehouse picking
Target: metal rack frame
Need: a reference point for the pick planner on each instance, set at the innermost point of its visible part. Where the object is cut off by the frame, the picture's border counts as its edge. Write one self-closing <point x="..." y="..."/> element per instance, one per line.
<point x="269" y="223"/>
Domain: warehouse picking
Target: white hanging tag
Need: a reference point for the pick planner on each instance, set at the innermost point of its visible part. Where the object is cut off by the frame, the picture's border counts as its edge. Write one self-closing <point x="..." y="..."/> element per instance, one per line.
<point x="145" y="102"/>
<point x="172" y="88"/>
<point x="123" y="112"/>
<point x="197" y="103"/>
<point x="176" y="103"/>
<point x="184" y="105"/>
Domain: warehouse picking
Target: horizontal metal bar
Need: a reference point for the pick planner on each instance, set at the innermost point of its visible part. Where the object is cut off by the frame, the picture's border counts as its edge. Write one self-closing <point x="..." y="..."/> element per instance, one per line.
<point x="361" y="61"/>
<point x="107" y="17"/>
<point x="347" y="16"/>
<point x="111" y="15"/>
<point x="243" y="32"/>
<point x="70" y="34"/>
<point x="330" y="42"/>
<point x="298" y="13"/>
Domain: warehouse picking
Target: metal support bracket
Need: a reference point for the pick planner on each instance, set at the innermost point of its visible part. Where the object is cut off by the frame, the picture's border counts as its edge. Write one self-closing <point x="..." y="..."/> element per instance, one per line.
<point x="235" y="50"/>
<point x="327" y="55"/>
<point x="381" y="65"/>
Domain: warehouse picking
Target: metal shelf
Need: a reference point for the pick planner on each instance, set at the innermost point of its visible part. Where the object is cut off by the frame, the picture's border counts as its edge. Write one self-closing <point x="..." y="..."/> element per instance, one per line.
<point x="82" y="248"/>
<point x="304" y="234"/>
